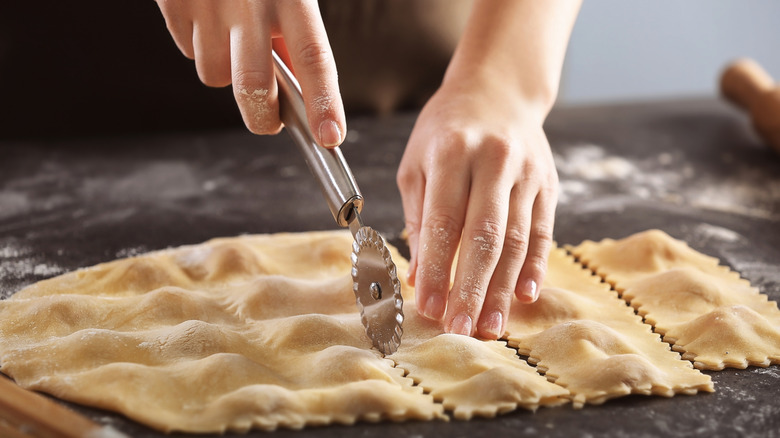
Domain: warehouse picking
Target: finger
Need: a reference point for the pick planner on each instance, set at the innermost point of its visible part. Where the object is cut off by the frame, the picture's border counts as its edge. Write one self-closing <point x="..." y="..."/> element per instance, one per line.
<point x="495" y="310"/>
<point x="254" y="83"/>
<point x="411" y="184"/>
<point x="315" y="69"/>
<point x="540" y="241"/>
<point x="211" y="45"/>
<point x="483" y="238"/>
<point x="179" y="24"/>
<point x="444" y="209"/>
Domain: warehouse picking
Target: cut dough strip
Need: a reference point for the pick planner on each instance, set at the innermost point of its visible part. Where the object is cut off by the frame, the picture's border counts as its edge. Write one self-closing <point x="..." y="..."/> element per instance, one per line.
<point x="710" y="314"/>
<point x="586" y="339"/>
<point x="468" y="376"/>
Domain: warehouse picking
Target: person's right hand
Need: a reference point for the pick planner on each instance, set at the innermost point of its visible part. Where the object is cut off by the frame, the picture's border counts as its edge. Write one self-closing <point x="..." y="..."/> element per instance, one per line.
<point x="231" y="42"/>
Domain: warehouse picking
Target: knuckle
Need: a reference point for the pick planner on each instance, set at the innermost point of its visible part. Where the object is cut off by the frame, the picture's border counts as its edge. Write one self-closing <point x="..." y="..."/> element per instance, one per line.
<point x="411" y="227"/>
<point x="498" y="149"/>
<point x="515" y="243"/>
<point x="543" y="234"/>
<point x="251" y="82"/>
<point x="443" y="225"/>
<point x="313" y="53"/>
<point x="258" y="107"/>
<point x="536" y="262"/>
<point x="489" y="233"/>
<point x="535" y="265"/>
<point x="503" y="296"/>
<point x="530" y="174"/>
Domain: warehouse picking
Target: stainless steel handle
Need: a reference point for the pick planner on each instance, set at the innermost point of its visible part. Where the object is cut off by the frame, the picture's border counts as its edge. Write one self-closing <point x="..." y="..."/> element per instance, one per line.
<point x="327" y="165"/>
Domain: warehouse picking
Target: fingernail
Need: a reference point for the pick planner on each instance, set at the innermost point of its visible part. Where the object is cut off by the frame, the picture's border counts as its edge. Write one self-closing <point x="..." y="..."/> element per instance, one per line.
<point x="494" y="324"/>
<point x="531" y="291"/>
<point x="330" y="134"/>
<point x="461" y="325"/>
<point x="434" y="308"/>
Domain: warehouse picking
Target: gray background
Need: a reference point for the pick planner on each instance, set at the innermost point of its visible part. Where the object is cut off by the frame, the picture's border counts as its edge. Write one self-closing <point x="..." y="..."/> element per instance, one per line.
<point x="631" y="50"/>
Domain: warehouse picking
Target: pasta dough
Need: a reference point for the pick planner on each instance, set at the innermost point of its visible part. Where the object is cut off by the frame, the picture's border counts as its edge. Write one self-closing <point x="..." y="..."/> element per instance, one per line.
<point x="586" y="339"/>
<point x="263" y="332"/>
<point x="256" y="331"/>
<point x="711" y="315"/>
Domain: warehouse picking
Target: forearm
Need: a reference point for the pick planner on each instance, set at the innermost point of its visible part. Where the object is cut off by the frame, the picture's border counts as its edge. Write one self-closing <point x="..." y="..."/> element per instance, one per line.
<point x="518" y="45"/>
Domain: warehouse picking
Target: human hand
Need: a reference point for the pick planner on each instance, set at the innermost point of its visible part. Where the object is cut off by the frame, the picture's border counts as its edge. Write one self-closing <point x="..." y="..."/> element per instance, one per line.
<point x="231" y="42"/>
<point x="477" y="173"/>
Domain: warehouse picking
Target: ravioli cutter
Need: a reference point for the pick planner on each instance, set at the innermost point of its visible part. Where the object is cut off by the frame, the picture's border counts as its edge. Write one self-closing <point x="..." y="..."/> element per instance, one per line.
<point x="374" y="278"/>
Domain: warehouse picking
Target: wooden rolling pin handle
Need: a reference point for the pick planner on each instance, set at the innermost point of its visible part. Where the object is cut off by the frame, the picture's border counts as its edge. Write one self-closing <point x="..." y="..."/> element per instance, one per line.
<point x="744" y="82"/>
<point x="25" y="414"/>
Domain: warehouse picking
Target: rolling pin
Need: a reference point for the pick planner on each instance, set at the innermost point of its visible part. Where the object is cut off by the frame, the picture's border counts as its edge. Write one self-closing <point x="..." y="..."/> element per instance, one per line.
<point x="750" y="87"/>
<point x="25" y="414"/>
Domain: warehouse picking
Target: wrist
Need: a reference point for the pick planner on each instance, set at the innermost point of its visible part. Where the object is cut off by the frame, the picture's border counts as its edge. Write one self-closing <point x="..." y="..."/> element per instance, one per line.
<point x="487" y="89"/>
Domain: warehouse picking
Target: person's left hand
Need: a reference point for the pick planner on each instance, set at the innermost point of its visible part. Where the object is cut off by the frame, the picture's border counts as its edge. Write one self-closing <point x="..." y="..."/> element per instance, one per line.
<point x="477" y="173"/>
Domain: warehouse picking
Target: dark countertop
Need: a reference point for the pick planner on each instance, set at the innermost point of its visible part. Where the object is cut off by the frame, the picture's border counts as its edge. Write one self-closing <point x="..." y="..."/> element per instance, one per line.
<point x="691" y="168"/>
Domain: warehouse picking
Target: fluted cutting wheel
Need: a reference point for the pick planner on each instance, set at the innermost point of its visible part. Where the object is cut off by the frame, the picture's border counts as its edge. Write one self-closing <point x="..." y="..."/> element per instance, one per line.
<point x="377" y="290"/>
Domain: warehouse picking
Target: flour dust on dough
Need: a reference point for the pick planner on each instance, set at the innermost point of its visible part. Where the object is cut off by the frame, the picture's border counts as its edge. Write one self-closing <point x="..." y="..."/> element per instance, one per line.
<point x="710" y="314"/>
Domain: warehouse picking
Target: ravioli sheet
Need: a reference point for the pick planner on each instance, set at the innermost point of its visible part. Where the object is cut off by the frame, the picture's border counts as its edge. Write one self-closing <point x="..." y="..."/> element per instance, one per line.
<point x="263" y="332"/>
<point x="248" y="332"/>
<point x="589" y="341"/>
<point x="710" y="314"/>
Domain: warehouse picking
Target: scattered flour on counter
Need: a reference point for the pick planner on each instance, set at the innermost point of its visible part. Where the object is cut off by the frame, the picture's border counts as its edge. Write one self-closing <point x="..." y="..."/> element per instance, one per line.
<point x="157" y="182"/>
<point x="588" y="173"/>
<point x="7" y="252"/>
<point x="27" y="266"/>
<point x="45" y="270"/>
<point x="749" y="192"/>
<point x="707" y="232"/>
<point x="569" y="189"/>
<point x="21" y="262"/>
<point x="772" y="371"/>
<point x="131" y="252"/>
<point x="751" y="266"/>
<point x="590" y="162"/>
